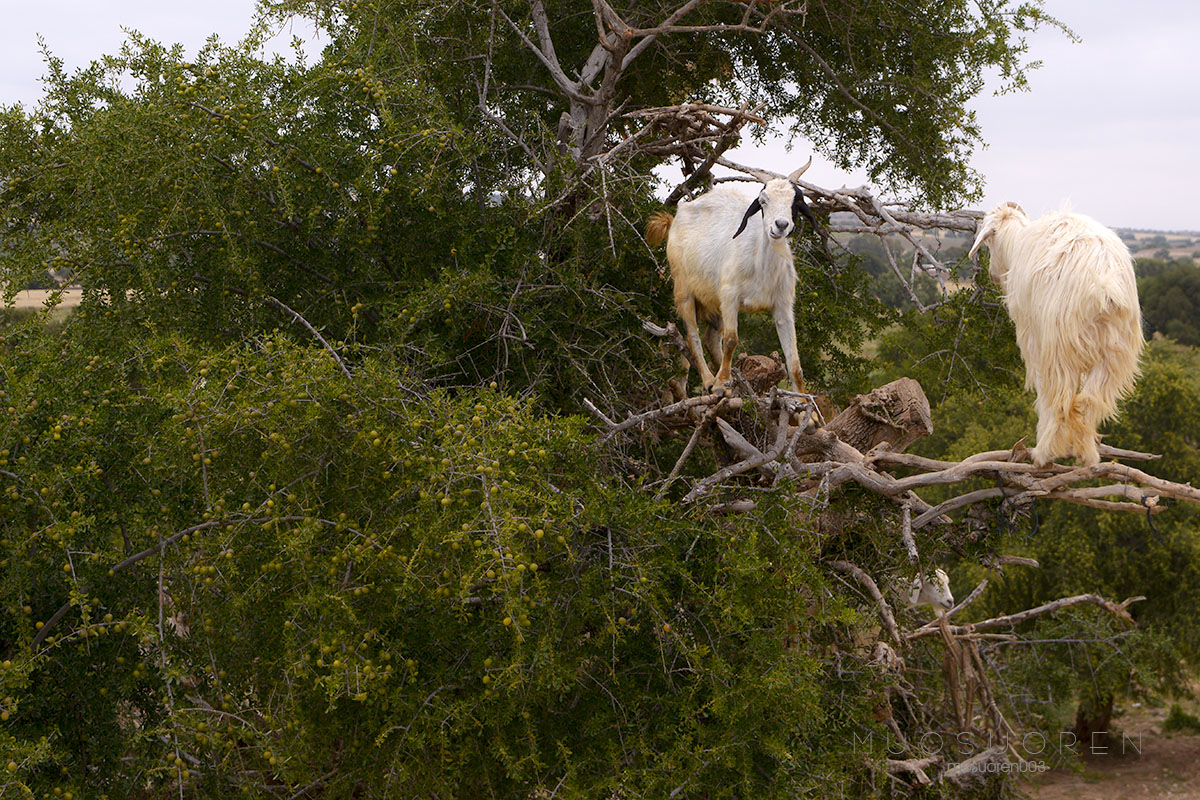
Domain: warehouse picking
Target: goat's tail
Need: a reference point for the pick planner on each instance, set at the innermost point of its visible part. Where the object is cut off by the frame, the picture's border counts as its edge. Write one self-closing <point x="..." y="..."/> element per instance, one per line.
<point x="657" y="227"/>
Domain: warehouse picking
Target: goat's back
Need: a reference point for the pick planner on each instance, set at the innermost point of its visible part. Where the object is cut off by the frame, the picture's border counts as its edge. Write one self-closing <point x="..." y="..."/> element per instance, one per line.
<point x="702" y="250"/>
<point x="1072" y="294"/>
<point x="1074" y="265"/>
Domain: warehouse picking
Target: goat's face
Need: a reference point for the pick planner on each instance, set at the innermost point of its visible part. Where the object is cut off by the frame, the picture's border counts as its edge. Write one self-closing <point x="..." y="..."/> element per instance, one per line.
<point x="779" y="202"/>
<point x="933" y="592"/>
<point x="943" y="598"/>
<point x="993" y="222"/>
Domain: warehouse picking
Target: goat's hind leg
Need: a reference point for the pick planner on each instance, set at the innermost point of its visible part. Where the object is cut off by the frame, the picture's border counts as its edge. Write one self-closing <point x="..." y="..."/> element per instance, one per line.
<point x="1053" y="431"/>
<point x="1097" y="400"/>
<point x="687" y="312"/>
<point x="712" y="338"/>
<point x="1081" y="432"/>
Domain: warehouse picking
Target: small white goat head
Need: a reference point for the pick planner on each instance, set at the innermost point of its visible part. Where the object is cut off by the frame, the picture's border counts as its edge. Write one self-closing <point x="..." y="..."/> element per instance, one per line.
<point x="1000" y="216"/>
<point x="935" y="593"/>
<point x="779" y="202"/>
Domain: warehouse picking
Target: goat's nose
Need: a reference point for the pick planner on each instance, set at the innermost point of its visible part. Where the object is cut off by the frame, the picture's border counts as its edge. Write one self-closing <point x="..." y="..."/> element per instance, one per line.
<point x="781" y="225"/>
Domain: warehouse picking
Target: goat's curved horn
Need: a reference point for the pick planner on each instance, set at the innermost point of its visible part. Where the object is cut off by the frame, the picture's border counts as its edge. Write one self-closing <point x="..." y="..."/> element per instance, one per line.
<point x="762" y="175"/>
<point x="795" y="176"/>
<point x="984" y="230"/>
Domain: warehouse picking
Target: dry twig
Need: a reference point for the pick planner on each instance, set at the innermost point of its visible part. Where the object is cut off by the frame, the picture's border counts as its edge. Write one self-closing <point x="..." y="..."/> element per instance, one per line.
<point x="1012" y="620"/>
<point x="868" y="583"/>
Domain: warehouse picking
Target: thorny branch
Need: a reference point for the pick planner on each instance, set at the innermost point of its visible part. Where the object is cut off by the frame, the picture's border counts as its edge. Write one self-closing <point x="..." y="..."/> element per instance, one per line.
<point x="1012" y="620"/>
<point x="868" y="583"/>
<point x="329" y="348"/>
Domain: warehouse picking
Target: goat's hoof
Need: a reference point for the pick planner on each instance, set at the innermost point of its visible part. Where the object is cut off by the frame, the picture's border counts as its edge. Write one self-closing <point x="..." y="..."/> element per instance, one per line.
<point x="1040" y="460"/>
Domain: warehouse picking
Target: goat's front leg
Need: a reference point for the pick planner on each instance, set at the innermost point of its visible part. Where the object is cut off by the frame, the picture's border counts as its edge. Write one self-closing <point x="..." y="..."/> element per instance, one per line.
<point x="785" y="327"/>
<point x="686" y="307"/>
<point x="729" y="339"/>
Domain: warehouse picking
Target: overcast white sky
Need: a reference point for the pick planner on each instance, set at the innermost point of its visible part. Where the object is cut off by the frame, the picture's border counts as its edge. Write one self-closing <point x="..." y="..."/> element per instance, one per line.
<point x="1111" y="124"/>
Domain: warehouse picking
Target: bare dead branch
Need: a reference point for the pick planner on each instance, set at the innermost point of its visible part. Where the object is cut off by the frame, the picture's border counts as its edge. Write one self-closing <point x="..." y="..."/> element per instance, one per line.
<point x="684" y="108"/>
<point x="516" y="138"/>
<point x="743" y="448"/>
<point x="1020" y="561"/>
<point x="736" y="507"/>
<point x="1012" y="620"/>
<point x="707" y="400"/>
<point x="977" y="767"/>
<point x="872" y="588"/>
<point x="915" y="767"/>
<point x="590" y="406"/>
<point x="955" y="503"/>
<point x="296" y="316"/>
<point x="687" y="451"/>
<point x="906" y="534"/>
<point x="650" y="35"/>
<point x="748" y="464"/>
<point x="820" y="460"/>
<point x="545" y="53"/>
<point x="971" y="598"/>
<point x="912" y="294"/>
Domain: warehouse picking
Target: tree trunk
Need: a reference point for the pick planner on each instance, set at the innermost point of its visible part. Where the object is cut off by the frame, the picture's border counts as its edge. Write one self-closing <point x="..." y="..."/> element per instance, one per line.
<point x="896" y="413"/>
<point x="1092" y="718"/>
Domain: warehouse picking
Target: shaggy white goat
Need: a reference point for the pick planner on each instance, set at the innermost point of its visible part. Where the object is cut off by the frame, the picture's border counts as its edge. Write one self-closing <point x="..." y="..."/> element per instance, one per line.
<point x="934" y="593"/>
<point x="1070" y="289"/>
<point x="723" y="262"/>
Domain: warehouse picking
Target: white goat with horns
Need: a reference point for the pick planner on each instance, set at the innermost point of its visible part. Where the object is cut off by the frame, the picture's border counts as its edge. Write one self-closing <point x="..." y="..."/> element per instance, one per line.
<point x="1069" y="287"/>
<point x="722" y="263"/>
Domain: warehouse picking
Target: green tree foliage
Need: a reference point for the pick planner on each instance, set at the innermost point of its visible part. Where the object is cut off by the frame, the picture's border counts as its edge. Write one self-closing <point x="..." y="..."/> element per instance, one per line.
<point x="218" y="183"/>
<point x="965" y="348"/>
<point x="818" y="65"/>
<point x="378" y="591"/>
<point x="867" y="255"/>
<point x="202" y="187"/>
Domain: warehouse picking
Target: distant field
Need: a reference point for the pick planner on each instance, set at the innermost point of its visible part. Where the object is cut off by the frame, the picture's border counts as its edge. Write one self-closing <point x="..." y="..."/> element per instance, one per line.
<point x="30" y="301"/>
<point x="1142" y="244"/>
<point x="36" y="298"/>
<point x="1145" y="244"/>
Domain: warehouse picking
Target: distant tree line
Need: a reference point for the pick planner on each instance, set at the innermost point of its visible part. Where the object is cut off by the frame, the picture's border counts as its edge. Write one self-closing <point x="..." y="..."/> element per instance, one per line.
<point x="1170" y="293"/>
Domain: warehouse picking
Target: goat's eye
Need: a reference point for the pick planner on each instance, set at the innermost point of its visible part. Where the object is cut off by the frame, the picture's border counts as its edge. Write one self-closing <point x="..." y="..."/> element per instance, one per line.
<point x="762" y="198"/>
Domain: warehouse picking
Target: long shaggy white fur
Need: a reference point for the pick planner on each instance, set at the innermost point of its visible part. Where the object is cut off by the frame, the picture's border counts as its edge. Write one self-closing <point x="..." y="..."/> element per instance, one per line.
<point x="1069" y="287"/>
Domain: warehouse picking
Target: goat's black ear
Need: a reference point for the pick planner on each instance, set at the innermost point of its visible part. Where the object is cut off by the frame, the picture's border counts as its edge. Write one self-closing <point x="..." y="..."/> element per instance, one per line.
<point x="754" y="208"/>
<point x="801" y="207"/>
